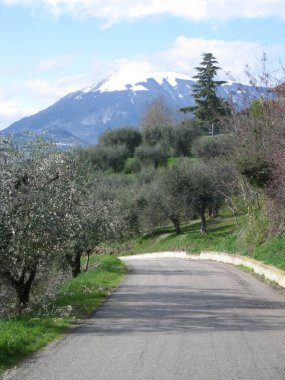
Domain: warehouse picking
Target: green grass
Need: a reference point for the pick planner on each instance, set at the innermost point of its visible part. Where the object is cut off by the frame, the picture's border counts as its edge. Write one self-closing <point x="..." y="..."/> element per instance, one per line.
<point x="171" y="161"/>
<point x="246" y="268"/>
<point x="23" y="336"/>
<point x="19" y="337"/>
<point x="223" y="236"/>
<point x="272" y="252"/>
<point x="190" y="239"/>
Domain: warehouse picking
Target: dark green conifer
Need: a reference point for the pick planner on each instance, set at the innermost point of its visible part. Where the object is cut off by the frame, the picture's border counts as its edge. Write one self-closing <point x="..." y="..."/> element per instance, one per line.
<point x="208" y="106"/>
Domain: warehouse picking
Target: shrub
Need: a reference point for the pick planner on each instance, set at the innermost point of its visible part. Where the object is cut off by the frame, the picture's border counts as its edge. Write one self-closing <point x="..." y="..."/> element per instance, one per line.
<point x="128" y="136"/>
<point x="109" y="157"/>
<point x="208" y="147"/>
<point x="155" y="155"/>
<point x="132" y="166"/>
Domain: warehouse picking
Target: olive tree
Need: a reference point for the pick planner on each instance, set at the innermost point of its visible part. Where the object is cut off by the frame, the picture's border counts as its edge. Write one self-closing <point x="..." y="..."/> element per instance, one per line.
<point x="169" y="197"/>
<point x="155" y="155"/>
<point x="183" y="137"/>
<point x="128" y="136"/>
<point x="174" y="193"/>
<point x="30" y="218"/>
<point x="108" y="157"/>
<point x="208" y="148"/>
<point x="207" y="191"/>
<point x="89" y="216"/>
<point x="190" y="190"/>
<point x="51" y="213"/>
<point x="183" y="192"/>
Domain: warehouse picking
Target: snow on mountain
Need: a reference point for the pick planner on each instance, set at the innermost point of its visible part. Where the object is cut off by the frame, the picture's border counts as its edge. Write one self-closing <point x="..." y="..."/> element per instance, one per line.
<point x="120" y="99"/>
<point x="130" y="80"/>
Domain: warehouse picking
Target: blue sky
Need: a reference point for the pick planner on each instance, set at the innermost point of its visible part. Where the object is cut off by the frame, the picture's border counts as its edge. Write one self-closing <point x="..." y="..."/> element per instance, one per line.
<point x="52" y="47"/>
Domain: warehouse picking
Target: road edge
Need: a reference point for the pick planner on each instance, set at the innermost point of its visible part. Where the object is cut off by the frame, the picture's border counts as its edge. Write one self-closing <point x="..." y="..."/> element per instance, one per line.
<point x="269" y="272"/>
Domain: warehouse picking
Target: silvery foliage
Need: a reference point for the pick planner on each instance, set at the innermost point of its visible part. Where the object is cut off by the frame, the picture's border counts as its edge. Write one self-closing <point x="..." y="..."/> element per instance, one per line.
<point x="48" y="207"/>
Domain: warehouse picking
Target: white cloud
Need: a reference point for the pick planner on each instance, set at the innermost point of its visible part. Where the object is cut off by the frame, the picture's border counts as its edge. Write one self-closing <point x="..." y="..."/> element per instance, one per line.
<point x="47" y="91"/>
<point x="54" y="63"/>
<point x="11" y="111"/>
<point x="138" y="63"/>
<point x="112" y="11"/>
<point x="24" y="98"/>
<point x="30" y="96"/>
<point x="233" y="56"/>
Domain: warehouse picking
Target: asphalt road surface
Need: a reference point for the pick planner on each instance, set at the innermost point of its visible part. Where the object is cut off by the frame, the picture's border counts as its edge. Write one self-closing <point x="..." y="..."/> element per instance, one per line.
<point x="174" y="319"/>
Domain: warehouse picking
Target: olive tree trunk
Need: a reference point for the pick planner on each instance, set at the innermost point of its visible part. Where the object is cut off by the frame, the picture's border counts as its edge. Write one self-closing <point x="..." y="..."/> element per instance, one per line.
<point x="203" y="229"/>
<point x="177" y="225"/>
<point x="23" y="286"/>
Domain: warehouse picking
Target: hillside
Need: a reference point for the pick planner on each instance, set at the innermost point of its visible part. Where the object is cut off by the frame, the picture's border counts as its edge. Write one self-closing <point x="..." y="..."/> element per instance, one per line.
<point x="79" y="118"/>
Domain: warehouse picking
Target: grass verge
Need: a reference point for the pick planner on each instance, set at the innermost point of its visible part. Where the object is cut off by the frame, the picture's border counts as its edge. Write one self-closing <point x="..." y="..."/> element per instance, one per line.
<point x="190" y="239"/>
<point x="19" y="337"/>
<point x="245" y="268"/>
<point x="272" y="251"/>
<point x="225" y="234"/>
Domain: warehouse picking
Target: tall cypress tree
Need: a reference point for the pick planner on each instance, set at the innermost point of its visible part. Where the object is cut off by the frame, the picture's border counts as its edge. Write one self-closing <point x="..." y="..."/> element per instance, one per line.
<point x="209" y="107"/>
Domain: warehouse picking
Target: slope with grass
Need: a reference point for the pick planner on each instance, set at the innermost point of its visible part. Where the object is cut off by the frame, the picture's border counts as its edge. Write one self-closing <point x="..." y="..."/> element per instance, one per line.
<point x="220" y="231"/>
<point x="19" y="337"/>
<point x="226" y="233"/>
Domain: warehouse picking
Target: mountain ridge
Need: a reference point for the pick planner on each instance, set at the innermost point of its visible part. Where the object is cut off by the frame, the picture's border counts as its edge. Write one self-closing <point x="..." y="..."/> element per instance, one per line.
<point x="118" y="100"/>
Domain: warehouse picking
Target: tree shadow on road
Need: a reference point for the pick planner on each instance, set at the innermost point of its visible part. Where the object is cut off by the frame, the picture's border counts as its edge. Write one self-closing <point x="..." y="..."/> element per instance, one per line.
<point x="179" y="310"/>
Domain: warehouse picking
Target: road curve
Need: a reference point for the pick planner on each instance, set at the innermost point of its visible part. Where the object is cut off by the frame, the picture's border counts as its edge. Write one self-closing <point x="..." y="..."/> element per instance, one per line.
<point x="174" y="319"/>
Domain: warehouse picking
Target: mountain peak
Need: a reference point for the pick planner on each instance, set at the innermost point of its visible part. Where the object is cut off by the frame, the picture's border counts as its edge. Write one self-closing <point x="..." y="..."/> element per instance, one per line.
<point x="126" y="79"/>
<point x="120" y="99"/>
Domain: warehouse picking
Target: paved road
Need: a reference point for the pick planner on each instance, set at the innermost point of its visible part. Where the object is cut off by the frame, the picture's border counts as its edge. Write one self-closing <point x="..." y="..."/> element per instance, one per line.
<point x="174" y="319"/>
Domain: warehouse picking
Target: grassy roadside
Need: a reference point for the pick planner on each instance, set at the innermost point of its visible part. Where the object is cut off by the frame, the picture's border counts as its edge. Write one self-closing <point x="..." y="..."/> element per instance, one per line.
<point x="19" y="337"/>
<point x="220" y="232"/>
<point x="272" y="252"/>
<point x="224" y="235"/>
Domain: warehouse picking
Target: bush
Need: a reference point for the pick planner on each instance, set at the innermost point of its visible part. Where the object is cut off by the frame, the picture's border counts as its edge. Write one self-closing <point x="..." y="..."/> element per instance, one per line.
<point x="132" y="166"/>
<point x="155" y="155"/>
<point x="128" y="136"/>
<point x="258" y="171"/>
<point x="183" y="136"/>
<point x="208" y="147"/>
<point x="157" y="134"/>
<point x="109" y="157"/>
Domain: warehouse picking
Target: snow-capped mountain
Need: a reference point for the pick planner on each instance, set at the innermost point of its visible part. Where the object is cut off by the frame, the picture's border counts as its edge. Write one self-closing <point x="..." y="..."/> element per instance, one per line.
<point x="119" y="100"/>
<point x="129" y="80"/>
